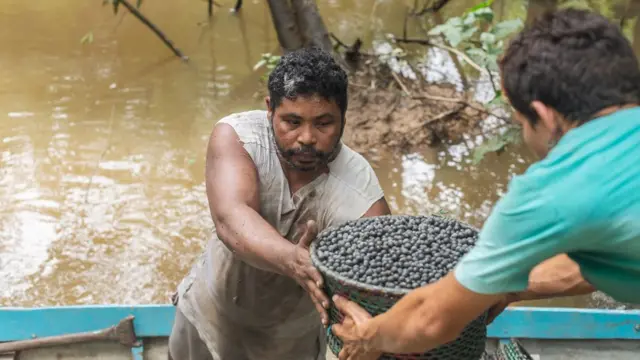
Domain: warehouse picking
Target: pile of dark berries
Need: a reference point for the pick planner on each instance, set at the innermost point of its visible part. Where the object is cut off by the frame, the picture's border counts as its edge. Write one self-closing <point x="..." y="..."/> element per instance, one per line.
<point x="403" y="252"/>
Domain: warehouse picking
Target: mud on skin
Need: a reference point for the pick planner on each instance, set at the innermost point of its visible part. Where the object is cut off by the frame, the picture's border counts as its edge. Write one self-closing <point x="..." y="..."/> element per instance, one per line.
<point x="396" y="252"/>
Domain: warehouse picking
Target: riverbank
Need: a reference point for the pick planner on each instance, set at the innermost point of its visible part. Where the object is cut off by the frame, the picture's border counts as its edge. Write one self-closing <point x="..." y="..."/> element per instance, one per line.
<point x="389" y="113"/>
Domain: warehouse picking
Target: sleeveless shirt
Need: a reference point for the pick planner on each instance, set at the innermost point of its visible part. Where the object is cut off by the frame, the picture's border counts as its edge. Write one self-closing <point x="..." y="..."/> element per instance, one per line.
<point x="245" y="313"/>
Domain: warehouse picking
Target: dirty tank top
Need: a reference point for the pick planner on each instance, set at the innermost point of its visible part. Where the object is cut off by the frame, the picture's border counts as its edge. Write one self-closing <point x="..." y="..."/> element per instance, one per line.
<point x="242" y="312"/>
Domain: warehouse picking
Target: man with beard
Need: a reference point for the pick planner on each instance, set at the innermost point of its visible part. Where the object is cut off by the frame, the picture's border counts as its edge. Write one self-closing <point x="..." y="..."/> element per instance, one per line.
<point x="571" y="221"/>
<point x="274" y="178"/>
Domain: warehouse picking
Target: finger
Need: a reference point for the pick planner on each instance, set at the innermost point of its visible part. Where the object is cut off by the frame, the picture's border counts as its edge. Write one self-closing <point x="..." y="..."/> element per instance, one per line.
<point x="342" y="355"/>
<point x="319" y="301"/>
<point x="323" y="313"/>
<point x="345" y="353"/>
<point x="318" y="293"/>
<point x="316" y="277"/>
<point x="352" y="309"/>
<point x="309" y="234"/>
<point x="339" y="331"/>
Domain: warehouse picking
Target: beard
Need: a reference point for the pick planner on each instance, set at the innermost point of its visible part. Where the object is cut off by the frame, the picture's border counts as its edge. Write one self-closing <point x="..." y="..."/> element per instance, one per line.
<point x="322" y="158"/>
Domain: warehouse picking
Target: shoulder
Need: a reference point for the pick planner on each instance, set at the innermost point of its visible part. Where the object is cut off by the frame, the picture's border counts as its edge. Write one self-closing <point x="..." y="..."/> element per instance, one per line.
<point x="251" y="126"/>
<point x="252" y="129"/>
<point x="353" y="172"/>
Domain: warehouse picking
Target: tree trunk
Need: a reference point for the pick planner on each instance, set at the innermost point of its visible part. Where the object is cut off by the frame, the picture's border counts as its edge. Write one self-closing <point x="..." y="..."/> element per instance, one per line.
<point x="636" y="37"/>
<point x="310" y="23"/>
<point x="284" y="21"/>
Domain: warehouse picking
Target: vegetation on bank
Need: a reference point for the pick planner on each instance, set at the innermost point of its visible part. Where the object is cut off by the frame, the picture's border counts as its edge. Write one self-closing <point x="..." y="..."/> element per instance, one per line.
<point x="474" y="40"/>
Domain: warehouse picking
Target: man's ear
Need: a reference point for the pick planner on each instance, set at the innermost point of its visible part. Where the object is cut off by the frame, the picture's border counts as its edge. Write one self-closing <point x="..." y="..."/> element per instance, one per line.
<point x="546" y="114"/>
<point x="267" y="101"/>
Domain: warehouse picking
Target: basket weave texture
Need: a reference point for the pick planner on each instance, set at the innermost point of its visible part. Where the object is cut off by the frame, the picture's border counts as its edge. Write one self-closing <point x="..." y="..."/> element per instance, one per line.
<point x="470" y="345"/>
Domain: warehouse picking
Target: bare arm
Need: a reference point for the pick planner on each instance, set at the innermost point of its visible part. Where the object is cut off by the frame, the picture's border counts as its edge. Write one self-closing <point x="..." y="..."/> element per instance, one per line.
<point x="425" y="318"/>
<point x="233" y="194"/>
<point x="378" y="208"/>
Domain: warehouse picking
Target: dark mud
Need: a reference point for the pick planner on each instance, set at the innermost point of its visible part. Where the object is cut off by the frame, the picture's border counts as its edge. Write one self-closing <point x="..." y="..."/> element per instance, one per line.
<point x="389" y="113"/>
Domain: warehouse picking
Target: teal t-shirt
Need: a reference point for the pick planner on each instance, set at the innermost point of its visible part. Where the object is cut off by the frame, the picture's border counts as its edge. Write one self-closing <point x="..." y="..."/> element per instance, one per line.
<point x="583" y="199"/>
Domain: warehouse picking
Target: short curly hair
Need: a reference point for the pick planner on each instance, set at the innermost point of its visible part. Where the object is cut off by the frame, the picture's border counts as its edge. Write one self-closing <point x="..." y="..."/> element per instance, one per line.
<point x="574" y="61"/>
<point x="307" y="72"/>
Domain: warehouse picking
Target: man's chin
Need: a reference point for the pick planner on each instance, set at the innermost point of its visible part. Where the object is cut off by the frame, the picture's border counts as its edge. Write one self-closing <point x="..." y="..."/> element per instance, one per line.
<point x="307" y="166"/>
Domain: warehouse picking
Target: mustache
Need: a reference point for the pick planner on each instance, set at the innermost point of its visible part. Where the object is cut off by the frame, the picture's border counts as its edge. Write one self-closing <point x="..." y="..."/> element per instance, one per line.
<point x="306" y="150"/>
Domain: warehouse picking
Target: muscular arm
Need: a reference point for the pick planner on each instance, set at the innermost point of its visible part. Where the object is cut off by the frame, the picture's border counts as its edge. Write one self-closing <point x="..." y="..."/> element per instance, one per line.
<point x="233" y="193"/>
<point x="435" y="314"/>
<point x="378" y="208"/>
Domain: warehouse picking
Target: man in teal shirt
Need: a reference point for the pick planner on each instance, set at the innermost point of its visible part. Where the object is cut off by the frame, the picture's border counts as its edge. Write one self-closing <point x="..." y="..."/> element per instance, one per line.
<point x="571" y="223"/>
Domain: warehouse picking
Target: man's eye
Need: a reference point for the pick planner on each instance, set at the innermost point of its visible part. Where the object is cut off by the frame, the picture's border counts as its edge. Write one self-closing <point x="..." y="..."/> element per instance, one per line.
<point x="292" y="122"/>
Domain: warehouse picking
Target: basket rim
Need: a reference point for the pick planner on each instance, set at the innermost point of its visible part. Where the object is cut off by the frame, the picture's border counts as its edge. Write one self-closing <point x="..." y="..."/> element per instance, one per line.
<point x="360" y="285"/>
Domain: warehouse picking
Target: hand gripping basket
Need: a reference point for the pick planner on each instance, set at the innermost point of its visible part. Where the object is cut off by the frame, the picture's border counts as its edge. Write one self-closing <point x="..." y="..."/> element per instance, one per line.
<point x="470" y="345"/>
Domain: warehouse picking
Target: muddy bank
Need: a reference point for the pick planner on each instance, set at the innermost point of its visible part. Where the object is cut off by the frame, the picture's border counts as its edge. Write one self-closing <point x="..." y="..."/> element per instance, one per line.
<point x="389" y="113"/>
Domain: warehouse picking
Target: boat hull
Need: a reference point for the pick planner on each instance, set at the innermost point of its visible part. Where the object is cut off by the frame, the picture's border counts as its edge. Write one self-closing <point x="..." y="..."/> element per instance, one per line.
<point x="546" y="333"/>
<point x="156" y="349"/>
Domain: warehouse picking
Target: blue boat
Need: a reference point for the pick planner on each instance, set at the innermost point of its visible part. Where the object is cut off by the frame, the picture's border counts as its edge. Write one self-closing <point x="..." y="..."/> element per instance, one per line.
<point x="140" y="332"/>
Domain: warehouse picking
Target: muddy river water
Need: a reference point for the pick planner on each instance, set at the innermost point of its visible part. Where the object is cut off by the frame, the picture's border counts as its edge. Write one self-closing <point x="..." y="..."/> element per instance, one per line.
<point x="102" y="144"/>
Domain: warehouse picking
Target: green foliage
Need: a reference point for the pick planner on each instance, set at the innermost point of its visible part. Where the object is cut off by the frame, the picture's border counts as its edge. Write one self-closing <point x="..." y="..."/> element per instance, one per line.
<point x="269" y="61"/>
<point x="496" y="144"/>
<point x="477" y="35"/>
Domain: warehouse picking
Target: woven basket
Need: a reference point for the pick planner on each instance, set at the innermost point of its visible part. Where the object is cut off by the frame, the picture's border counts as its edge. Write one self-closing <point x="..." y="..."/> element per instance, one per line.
<point x="470" y="345"/>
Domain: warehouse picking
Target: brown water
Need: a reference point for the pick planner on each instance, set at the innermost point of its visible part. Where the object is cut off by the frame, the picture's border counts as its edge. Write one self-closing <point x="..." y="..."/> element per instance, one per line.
<point x="102" y="145"/>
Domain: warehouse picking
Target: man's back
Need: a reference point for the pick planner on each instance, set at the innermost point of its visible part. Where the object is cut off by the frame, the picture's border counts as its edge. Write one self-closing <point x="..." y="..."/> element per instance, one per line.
<point x="598" y="170"/>
<point x="583" y="199"/>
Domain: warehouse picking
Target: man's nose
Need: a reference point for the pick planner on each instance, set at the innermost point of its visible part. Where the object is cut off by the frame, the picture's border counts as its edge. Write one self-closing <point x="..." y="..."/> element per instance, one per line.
<point x="307" y="136"/>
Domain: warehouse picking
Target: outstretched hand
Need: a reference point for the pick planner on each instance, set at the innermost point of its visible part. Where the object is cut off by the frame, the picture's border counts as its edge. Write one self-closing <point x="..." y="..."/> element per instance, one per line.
<point x="352" y="331"/>
<point x="305" y="274"/>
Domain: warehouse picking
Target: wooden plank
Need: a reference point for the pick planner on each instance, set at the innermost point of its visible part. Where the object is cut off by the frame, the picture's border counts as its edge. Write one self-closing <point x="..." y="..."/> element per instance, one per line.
<point x="157" y="320"/>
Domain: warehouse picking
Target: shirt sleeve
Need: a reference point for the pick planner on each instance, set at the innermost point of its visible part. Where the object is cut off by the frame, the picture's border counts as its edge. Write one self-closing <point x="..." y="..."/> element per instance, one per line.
<point x="525" y="228"/>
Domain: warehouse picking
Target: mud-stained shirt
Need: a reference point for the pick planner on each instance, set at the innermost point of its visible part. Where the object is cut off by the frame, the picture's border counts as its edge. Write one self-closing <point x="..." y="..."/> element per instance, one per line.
<point x="242" y="312"/>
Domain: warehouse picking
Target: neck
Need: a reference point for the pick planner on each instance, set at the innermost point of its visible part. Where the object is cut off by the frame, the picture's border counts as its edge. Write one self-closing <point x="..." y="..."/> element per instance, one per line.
<point x="297" y="178"/>
<point x="566" y="126"/>
<point x="611" y="109"/>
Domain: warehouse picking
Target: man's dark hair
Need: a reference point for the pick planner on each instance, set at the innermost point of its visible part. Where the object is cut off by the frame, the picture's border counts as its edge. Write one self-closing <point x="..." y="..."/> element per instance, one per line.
<point x="308" y="72"/>
<point x="574" y="61"/>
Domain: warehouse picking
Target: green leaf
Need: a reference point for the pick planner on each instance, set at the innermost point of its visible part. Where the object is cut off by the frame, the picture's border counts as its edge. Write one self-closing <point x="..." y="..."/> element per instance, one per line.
<point x="505" y="28"/>
<point x="479" y="56"/>
<point x="87" y="38"/>
<point x="485" y="14"/>
<point x="512" y="135"/>
<point x="259" y="64"/>
<point x="454" y="21"/>
<point x="492" y="145"/>
<point x="467" y="34"/>
<point x="497" y="100"/>
<point x="469" y="19"/>
<point x="453" y="35"/>
<point x="487" y="38"/>
<point x="482" y="5"/>
<point x="139" y="3"/>
<point x="116" y="4"/>
<point x="438" y="29"/>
